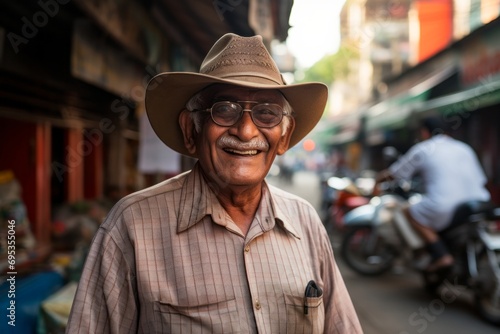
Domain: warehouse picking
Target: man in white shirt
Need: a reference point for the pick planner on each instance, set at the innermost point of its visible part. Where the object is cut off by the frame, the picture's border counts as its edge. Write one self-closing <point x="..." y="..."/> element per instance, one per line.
<point x="451" y="175"/>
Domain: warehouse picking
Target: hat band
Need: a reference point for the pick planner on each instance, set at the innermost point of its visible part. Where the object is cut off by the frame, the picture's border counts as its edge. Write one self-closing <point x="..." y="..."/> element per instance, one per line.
<point x="252" y="77"/>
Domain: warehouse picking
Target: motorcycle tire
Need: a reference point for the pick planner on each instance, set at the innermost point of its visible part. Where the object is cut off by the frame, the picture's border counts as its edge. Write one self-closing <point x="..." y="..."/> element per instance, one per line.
<point x="487" y="297"/>
<point x="432" y="282"/>
<point x="365" y="252"/>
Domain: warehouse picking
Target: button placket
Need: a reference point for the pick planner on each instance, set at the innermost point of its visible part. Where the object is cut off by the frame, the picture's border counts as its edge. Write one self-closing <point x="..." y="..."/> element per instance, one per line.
<point x="253" y="282"/>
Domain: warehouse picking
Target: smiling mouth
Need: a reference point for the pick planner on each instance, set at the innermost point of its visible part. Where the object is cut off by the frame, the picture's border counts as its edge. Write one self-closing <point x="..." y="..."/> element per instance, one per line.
<point x="238" y="152"/>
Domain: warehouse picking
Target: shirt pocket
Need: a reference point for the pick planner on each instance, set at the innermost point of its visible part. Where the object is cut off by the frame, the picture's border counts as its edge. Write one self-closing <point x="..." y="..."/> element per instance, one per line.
<point x="216" y="317"/>
<point x="297" y="321"/>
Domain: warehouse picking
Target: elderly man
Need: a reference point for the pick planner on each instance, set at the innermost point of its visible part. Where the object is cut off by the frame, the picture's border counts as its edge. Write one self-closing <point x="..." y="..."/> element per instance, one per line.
<point x="217" y="249"/>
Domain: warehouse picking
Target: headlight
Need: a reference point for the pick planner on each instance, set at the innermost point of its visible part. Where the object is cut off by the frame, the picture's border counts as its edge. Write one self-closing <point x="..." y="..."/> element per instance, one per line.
<point x="375" y="201"/>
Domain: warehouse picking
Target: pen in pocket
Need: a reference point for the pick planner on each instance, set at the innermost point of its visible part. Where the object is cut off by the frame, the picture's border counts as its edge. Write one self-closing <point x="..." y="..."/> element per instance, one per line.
<point x="312" y="290"/>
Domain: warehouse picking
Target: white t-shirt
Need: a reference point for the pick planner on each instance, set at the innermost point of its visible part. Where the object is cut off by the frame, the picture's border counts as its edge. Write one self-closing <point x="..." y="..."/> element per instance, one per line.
<point x="451" y="174"/>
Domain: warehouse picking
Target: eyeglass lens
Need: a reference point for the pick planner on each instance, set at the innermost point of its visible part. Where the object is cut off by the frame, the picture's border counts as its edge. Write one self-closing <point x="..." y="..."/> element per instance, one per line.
<point x="264" y="115"/>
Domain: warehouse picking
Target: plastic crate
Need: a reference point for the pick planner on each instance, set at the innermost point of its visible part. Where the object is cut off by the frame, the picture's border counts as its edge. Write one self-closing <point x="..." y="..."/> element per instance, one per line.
<point x="30" y="291"/>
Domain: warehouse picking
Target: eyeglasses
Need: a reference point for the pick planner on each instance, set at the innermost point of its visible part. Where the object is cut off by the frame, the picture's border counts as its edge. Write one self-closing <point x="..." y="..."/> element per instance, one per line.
<point x="227" y="113"/>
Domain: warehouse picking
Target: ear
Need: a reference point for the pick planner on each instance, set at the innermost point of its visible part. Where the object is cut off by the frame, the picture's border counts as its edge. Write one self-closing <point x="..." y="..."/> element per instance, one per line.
<point x="284" y="142"/>
<point x="188" y="131"/>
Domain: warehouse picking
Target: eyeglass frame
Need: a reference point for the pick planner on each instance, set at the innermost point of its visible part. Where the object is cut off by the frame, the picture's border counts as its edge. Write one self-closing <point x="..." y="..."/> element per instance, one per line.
<point x="239" y="103"/>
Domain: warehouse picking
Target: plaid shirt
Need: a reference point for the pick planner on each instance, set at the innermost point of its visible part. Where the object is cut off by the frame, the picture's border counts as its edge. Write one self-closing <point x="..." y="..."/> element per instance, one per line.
<point x="169" y="259"/>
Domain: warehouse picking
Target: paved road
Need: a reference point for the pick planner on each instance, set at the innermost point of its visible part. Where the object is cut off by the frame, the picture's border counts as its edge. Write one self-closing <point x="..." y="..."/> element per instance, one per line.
<point x="396" y="303"/>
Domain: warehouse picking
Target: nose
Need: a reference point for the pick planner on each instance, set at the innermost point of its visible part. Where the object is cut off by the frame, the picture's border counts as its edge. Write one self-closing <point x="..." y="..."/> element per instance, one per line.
<point x="245" y="128"/>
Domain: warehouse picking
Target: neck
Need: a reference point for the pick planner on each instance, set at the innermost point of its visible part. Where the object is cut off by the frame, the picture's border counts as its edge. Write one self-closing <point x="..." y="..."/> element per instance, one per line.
<point x="240" y="203"/>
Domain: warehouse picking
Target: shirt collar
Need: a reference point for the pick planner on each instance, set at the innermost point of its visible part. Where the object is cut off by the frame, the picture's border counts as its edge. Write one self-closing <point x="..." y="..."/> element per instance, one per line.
<point x="197" y="200"/>
<point x="270" y="213"/>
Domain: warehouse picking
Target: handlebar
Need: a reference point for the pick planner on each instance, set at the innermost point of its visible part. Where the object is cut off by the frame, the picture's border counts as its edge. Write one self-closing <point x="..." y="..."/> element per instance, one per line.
<point x="397" y="187"/>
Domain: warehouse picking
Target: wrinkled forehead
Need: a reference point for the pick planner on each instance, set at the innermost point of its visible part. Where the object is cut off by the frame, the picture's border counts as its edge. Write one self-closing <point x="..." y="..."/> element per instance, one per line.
<point x="237" y="93"/>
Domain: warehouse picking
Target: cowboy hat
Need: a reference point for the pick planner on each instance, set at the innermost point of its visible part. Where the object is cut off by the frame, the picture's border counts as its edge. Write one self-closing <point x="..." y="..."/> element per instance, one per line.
<point x="234" y="60"/>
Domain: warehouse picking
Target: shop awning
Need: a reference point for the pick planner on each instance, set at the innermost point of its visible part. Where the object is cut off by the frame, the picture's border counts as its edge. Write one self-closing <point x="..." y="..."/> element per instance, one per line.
<point x="339" y="130"/>
<point x="486" y="94"/>
<point x="393" y="112"/>
<point x="346" y="131"/>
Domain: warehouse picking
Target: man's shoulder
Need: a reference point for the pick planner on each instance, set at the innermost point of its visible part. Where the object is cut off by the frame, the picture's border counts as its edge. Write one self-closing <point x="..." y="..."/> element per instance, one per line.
<point x="299" y="214"/>
<point x="279" y="193"/>
<point x="159" y="193"/>
<point x="423" y="148"/>
<point x="287" y="201"/>
<point x="450" y="143"/>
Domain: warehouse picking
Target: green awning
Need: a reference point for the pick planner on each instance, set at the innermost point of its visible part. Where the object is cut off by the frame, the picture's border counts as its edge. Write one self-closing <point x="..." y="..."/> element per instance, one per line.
<point x="465" y="101"/>
<point x="394" y="112"/>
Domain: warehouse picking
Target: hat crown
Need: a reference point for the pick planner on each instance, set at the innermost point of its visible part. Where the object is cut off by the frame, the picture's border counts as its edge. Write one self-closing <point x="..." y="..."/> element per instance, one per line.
<point x="241" y="58"/>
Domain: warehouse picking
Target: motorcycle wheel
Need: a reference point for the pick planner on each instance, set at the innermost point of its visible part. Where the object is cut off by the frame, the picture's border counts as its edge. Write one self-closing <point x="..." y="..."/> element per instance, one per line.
<point x="365" y="252"/>
<point x="432" y="282"/>
<point x="487" y="295"/>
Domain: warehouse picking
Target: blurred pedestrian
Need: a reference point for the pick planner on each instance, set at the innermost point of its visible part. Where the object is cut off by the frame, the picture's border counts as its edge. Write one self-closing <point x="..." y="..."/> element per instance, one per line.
<point x="451" y="174"/>
<point x="217" y="249"/>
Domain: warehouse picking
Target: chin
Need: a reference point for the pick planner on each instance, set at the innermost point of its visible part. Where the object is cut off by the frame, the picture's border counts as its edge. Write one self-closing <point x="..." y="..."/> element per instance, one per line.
<point x="245" y="179"/>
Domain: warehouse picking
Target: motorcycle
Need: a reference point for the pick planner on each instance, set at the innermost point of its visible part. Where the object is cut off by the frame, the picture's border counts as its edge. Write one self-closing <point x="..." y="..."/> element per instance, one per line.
<point x="346" y="195"/>
<point x="379" y="236"/>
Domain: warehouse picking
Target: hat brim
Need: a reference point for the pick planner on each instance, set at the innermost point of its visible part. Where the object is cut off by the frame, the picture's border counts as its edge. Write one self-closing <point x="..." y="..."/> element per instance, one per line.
<point x="168" y="93"/>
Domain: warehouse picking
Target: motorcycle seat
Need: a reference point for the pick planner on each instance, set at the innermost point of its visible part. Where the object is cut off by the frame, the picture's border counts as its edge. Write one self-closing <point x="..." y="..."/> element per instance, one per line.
<point x="468" y="212"/>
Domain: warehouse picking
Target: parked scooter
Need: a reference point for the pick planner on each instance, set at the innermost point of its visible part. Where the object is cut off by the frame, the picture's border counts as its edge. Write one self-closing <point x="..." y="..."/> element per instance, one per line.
<point x="347" y="195"/>
<point x="379" y="236"/>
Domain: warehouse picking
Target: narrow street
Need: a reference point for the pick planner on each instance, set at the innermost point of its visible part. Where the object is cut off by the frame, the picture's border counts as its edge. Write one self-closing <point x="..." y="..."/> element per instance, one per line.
<point x="396" y="303"/>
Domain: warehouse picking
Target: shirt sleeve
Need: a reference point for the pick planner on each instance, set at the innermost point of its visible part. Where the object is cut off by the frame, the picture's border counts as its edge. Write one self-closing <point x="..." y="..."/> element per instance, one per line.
<point x="106" y="298"/>
<point x="340" y="315"/>
<point x="410" y="163"/>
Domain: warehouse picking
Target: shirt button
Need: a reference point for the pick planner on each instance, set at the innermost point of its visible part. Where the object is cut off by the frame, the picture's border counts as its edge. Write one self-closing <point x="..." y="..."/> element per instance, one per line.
<point x="257" y="304"/>
<point x="247" y="249"/>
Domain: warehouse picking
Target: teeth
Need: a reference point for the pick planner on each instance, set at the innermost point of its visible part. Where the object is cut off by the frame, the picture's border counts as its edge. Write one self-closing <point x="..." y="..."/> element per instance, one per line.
<point x="250" y="152"/>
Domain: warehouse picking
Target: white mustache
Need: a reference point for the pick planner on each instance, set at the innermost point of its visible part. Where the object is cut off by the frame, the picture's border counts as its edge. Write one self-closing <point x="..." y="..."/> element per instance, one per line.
<point x="235" y="144"/>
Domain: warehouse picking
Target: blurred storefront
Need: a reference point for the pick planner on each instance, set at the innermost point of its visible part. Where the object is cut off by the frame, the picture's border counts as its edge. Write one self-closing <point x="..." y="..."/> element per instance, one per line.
<point x="460" y="84"/>
<point x="68" y="108"/>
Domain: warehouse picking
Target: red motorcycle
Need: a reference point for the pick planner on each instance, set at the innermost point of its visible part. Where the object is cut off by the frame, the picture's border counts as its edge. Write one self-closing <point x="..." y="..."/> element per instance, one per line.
<point x="349" y="195"/>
